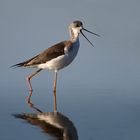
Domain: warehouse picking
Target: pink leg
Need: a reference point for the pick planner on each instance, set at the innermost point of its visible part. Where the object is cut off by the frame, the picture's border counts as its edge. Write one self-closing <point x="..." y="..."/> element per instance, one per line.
<point x="54" y="91"/>
<point x="30" y="86"/>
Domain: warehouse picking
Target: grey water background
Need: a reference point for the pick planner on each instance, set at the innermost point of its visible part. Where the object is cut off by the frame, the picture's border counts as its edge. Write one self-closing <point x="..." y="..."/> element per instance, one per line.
<point x="99" y="91"/>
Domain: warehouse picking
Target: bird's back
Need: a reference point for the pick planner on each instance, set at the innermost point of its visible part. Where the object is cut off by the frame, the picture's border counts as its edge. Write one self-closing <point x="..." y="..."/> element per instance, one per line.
<point x="50" y="54"/>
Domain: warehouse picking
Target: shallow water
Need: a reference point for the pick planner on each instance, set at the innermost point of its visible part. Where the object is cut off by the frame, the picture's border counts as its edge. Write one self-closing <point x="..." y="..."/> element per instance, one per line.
<point x="95" y="113"/>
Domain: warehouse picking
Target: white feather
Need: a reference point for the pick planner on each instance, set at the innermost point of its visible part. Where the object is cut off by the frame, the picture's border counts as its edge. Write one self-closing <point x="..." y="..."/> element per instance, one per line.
<point x="63" y="60"/>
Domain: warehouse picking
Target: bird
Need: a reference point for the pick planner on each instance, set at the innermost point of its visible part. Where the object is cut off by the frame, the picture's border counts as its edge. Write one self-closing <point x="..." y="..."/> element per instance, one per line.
<point x="56" y="57"/>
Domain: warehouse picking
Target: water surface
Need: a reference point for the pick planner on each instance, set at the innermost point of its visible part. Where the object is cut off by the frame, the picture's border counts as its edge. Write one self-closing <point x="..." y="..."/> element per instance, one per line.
<point x="95" y="114"/>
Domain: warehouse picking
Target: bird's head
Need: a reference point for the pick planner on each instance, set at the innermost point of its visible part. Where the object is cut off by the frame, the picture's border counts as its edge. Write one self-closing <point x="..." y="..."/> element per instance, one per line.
<point x="76" y="27"/>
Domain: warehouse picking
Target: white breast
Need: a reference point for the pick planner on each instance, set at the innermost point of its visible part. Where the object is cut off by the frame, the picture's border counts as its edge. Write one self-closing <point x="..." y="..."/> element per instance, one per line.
<point x="63" y="60"/>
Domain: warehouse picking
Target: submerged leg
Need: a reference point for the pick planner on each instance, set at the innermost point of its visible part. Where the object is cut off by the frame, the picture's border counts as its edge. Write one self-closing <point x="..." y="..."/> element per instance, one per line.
<point x="30" y="77"/>
<point x="54" y="91"/>
<point x="29" y="84"/>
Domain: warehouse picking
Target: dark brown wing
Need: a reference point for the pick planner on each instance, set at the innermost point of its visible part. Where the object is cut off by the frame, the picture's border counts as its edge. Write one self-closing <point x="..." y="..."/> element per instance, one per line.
<point x="48" y="54"/>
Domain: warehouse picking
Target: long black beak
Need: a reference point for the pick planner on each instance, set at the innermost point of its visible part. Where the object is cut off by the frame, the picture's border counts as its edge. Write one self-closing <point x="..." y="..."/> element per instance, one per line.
<point x="89" y="32"/>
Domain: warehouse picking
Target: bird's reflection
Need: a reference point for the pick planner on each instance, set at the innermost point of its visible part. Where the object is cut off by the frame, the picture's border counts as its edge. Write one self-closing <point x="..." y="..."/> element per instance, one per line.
<point x="55" y="124"/>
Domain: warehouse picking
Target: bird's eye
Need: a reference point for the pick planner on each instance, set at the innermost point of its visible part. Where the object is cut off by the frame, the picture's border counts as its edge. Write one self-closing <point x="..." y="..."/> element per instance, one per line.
<point x="77" y="25"/>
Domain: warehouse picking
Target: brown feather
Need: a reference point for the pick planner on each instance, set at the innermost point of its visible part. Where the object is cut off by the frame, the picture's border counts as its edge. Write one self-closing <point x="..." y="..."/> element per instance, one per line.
<point x="48" y="54"/>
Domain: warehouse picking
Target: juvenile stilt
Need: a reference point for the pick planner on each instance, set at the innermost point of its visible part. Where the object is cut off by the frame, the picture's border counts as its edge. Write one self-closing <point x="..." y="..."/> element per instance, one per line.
<point x="56" y="57"/>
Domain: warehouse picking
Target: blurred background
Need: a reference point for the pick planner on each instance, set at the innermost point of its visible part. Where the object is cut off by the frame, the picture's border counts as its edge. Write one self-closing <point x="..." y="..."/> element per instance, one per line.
<point x="104" y="80"/>
<point x="29" y="27"/>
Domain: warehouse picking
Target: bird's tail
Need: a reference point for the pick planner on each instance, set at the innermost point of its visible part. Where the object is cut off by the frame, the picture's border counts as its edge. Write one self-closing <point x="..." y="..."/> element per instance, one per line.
<point x="22" y="64"/>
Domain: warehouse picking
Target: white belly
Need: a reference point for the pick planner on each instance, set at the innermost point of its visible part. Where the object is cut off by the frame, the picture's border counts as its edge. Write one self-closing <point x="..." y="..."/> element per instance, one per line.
<point x="61" y="61"/>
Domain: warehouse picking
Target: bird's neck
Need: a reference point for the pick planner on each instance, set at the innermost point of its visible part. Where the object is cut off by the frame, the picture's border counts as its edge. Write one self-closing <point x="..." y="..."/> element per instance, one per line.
<point x="74" y="35"/>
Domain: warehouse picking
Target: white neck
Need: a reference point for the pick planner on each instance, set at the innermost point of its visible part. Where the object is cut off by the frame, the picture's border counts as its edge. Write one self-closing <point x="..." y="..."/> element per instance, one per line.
<point x="74" y="33"/>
